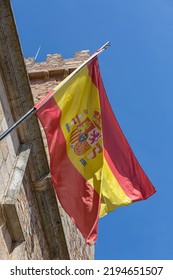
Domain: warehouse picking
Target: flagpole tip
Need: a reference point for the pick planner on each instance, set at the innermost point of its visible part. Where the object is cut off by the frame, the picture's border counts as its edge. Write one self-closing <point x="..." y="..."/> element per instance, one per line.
<point x="105" y="46"/>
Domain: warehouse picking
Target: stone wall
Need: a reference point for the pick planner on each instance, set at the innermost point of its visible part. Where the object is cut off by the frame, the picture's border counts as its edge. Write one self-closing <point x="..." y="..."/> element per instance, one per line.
<point x="21" y="234"/>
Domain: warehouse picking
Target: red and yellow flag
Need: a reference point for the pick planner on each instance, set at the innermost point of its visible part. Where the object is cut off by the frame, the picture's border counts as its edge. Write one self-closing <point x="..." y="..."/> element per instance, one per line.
<point x="92" y="166"/>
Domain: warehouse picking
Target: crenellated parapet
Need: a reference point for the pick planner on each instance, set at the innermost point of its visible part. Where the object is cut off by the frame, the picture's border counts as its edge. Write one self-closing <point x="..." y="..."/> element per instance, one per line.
<point x="54" y="65"/>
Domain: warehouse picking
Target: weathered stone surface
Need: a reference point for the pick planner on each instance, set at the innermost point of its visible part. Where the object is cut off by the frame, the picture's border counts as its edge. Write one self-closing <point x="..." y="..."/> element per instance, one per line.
<point x="55" y="64"/>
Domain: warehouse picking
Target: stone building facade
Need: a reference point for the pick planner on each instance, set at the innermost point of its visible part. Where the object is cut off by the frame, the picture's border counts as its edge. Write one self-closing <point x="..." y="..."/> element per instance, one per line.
<point x="32" y="223"/>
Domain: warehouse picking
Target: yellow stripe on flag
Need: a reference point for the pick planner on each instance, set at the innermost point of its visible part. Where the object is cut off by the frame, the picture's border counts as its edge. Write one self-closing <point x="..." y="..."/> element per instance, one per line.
<point x="112" y="195"/>
<point x="73" y="102"/>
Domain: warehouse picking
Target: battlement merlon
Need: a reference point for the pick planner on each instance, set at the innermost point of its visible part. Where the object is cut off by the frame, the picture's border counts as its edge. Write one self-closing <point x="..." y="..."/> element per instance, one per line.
<point x="55" y="65"/>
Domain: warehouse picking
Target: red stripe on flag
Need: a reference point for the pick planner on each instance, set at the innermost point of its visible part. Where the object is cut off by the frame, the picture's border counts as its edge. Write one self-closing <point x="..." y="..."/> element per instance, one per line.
<point x="117" y="151"/>
<point x="77" y="197"/>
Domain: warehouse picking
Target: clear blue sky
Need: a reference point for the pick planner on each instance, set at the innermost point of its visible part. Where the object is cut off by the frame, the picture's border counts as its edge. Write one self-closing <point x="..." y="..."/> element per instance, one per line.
<point x="137" y="71"/>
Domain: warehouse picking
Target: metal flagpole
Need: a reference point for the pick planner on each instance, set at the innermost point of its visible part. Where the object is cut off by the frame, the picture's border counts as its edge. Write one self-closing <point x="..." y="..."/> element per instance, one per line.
<point x="33" y="110"/>
<point x="5" y="133"/>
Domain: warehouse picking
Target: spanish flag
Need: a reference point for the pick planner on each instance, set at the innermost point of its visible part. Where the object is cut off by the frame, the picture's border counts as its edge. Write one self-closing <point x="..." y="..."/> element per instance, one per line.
<point x="92" y="166"/>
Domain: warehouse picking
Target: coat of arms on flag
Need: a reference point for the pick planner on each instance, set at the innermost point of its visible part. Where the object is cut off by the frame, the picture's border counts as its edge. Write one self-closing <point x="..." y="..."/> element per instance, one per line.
<point x="85" y="135"/>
